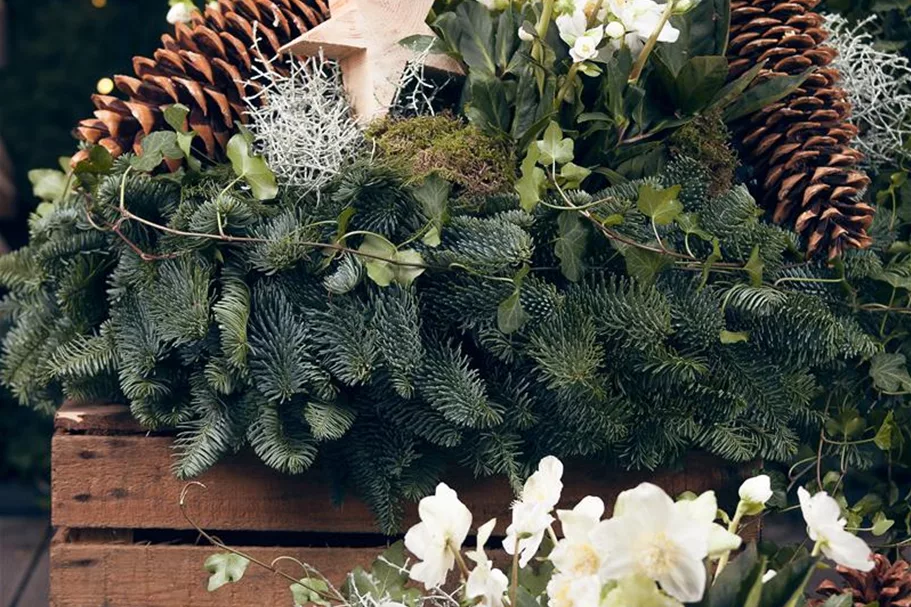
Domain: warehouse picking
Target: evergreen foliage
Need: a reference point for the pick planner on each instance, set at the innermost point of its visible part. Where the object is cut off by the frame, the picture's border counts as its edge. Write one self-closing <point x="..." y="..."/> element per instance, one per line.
<point x="491" y="358"/>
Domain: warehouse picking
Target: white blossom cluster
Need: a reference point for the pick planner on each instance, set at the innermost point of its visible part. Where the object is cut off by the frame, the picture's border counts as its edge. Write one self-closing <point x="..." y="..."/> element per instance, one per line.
<point x="302" y="123"/>
<point x="878" y="83"/>
<point x="652" y="552"/>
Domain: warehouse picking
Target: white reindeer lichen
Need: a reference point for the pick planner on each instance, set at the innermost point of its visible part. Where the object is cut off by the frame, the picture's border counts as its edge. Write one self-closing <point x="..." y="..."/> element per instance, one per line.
<point x="878" y="83"/>
<point x="302" y="122"/>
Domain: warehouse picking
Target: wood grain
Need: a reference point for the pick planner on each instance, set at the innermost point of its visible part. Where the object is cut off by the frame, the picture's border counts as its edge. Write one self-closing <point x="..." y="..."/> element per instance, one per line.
<point x="124" y="482"/>
<point x="112" y="575"/>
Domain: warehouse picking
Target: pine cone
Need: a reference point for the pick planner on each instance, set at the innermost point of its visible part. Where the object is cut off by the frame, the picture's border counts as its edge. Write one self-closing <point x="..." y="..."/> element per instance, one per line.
<point x="888" y="584"/>
<point x="801" y="145"/>
<point x="204" y="66"/>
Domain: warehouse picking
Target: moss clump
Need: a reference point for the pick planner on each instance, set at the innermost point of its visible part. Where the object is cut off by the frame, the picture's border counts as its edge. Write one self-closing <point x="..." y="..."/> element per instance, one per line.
<point x="476" y="163"/>
<point x="708" y="140"/>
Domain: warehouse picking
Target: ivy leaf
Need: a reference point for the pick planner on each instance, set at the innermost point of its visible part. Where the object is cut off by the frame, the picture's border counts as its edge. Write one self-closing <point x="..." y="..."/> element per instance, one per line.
<point x="432" y="238"/>
<point x="710" y="261"/>
<point x="662" y="206"/>
<point x="755" y="267"/>
<point x="890" y="372"/>
<point x="689" y="223"/>
<point x="531" y="184"/>
<point x="99" y="161"/>
<point x="250" y="168"/>
<point x="381" y="272"/>
<point x="433" y="194"/>
<point x="554" y="148"/>
<point x="47" y="184"/>
<point x="572" y="239"/>
<point x="310" y="591"/>
<point x="510" y="314"/>
<point x="226" y="568"/>
<point x="644" y="265"/>
<point x="840" y="600"/>
<point x="732" y="337"/>
<point x="889" y="435"/>
<point x="176" y="117"/>
<point x="155" y="148"/>
<point x="881" y="524"/>
<point x="489" y="107"/>
<point x="573" y="175"/>
<point x="401" y="267"/>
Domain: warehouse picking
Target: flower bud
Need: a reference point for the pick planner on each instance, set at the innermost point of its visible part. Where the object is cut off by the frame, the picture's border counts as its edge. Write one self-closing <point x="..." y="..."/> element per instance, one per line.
<point x="181" y="12"/>
<point x="615" y="30"/>
<point x="684" y="6"/>
<point x="754" y="493"/>
<point x="525" y="35"/>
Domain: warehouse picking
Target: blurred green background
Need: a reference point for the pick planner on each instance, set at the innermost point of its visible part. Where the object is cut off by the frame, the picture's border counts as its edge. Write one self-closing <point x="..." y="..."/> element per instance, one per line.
<point x="52" y="54"/>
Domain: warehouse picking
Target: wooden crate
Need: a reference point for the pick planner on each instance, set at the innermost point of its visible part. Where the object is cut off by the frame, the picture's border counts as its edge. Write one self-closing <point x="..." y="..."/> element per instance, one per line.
<point x="122" y="541"/>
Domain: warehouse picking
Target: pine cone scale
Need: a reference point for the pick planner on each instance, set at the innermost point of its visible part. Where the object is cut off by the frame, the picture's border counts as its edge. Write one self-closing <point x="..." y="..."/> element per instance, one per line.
<point x="887" y="584"/>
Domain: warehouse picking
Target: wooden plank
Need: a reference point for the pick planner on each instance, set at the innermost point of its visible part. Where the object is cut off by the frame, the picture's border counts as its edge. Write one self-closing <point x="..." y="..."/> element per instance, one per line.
<point x="96" y="419"/>
<point x="124" y="482"/>
<point x="20" y="540"/>
<point x="108" y="575"/>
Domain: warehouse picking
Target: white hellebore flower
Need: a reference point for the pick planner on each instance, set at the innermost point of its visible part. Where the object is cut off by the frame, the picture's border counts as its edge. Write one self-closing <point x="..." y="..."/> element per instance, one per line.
<point x="640" y="18"/>
<point x="530" y="521"/>
<point x="180" y="13"/>
<point x="545" y="486"/>
<point x="577" y="554"/>
<point x="755" y="492"/>
<point x="586" y="46"/>
<point x="445" y="522"/>
<point x="486" y="586"/>
<point x="570" y="591"/>
<point x="651" y="536"/>
<point x="704" y="510"/>
<point x="614" y="30"/>
<point x="826" y="527"/>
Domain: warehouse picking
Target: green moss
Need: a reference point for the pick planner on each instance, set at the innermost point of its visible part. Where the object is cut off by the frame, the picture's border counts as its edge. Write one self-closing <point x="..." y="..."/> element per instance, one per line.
<point x="708" y="140"/>
<point x="477" y="164"/>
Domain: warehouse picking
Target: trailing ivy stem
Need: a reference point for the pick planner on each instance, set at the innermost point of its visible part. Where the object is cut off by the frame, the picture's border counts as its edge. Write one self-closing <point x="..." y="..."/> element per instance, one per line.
<point x="651" y="43"/>
<point x="732" y="528"/>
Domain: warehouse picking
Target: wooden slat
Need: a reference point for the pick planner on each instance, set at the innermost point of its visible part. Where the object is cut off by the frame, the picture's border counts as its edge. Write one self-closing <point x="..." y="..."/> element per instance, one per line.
<point x="96" y="419"/>
<point x="111" y="575"/>
<point x="124" y="482"/>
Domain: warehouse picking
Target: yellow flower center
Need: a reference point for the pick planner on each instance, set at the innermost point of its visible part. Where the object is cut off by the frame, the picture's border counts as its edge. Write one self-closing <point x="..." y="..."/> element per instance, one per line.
<point x="585" y="560"/>
<point x="656" y="555"/>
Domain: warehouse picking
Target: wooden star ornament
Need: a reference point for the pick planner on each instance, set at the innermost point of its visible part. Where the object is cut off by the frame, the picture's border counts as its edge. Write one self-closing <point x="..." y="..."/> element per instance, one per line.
<point x="363" y="36"/>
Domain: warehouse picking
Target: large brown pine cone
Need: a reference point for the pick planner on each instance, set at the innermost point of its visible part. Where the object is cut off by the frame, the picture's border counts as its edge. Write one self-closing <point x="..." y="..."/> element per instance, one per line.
<point x="888" y="584"/>
<point x="204" y="66"/>
<point x="801" y="146"/>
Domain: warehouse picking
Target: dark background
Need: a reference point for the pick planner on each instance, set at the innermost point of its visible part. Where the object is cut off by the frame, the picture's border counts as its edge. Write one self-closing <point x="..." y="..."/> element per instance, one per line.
<point x="52" y="55"/>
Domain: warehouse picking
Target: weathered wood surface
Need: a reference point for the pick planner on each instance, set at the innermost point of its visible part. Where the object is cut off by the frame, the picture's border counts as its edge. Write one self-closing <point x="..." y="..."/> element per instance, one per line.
<point x="128" y="575"/>
<point x="126" y="482"/>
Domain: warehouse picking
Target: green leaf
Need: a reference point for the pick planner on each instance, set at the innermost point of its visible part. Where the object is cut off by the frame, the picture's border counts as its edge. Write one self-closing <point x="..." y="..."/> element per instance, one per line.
<point x="755" y="267"/>
<point x="735" y="89"/>
<point x="511" y="316"/>
<point x="252" y="169"/>
<point x="699" y="81"/>
<point x="881" y="524"/>
<point x="889" y="435"/>
<point x="475" y="38"/>
<point x="662" y="206"/>
<point x="737" y="581"/>
<point x="310" y="591"/>
<point x="176" y="117"/>
<point x="554" y="148"/>
<point x="99" y="161"/>
<point x="381" y="272"/>
<point x="572" y="240"/>
<point x="573" y="175"/>
<point x="787" y="588"/>
<point x="732" y="337"/>
<point x="226" y="568"/>
<point x="841" y="600"/>
<point x="155" y="148"/>
<point x="424" y="43"/>
<point x="890" y="372"/>
<point x="433" y="195"/>
<point x="644" y="265"/>
<point x="764" y="94"/>
<point x="386" y="264"/>
<point x="489" y="108"/>
<point x="532" y="182"/>
<point x="48" y="184"/>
